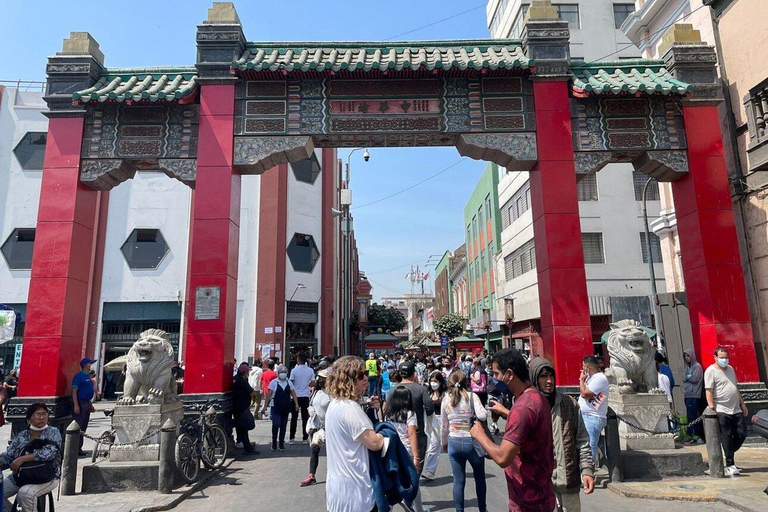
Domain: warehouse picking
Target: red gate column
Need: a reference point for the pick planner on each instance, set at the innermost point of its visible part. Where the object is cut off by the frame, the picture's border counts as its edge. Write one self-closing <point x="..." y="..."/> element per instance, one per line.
<point x="565" y="323"/>
<point x="714" y="279"/>
<point x="62" y="262"/>
<point x="214" y="241"/>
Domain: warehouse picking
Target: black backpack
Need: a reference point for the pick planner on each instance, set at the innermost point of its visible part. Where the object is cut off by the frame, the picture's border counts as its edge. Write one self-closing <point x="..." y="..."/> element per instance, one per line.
<point x="35" y="472"/>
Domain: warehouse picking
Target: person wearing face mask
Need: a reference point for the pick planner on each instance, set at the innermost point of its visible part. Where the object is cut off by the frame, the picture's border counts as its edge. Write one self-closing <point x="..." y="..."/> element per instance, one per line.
<point x="282" y="398"/>
<point x="39" y="443"/>
<point x="318" y="405"/>
<point x="526" y="450"/>
<point x="724" y="398"/>
<point x="436" y="390"/>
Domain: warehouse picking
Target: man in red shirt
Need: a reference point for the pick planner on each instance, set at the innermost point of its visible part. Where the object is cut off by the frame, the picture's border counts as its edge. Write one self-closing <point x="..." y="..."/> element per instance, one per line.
<point x="268" y="376"/>
<point x="526" y="450"/>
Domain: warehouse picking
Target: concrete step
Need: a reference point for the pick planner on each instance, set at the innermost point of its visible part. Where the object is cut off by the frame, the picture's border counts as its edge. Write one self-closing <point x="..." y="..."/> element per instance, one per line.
<point x="638" y="464"/>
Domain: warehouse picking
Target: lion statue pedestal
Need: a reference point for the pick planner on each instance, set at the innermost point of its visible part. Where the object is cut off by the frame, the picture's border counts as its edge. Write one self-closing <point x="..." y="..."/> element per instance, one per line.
<point x="149" y="398"/>
<point x="631" y="373"/>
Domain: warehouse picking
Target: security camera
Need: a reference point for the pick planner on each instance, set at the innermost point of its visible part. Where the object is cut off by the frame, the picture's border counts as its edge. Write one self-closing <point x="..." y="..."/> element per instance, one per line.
<point x="366" y="155"/>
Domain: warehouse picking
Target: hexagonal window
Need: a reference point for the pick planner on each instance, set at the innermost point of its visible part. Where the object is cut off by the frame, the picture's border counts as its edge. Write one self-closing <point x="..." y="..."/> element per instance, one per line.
<point x="306" y="170"/>
<point x="144" y="248"/>
<point x="303" y="252"/>
<point x="17" y="249"/>
<point x="30" y="150"/>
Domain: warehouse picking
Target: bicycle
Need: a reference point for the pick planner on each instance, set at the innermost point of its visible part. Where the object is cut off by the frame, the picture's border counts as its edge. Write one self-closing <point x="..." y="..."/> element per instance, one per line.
<point x="202" y="440"/>
<point x="104" y="442"/>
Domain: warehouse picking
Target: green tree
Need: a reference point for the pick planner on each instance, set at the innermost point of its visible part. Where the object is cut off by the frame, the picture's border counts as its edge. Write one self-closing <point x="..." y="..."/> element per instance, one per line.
<point x="450" y="324"/>
<point x="388" y="318"/>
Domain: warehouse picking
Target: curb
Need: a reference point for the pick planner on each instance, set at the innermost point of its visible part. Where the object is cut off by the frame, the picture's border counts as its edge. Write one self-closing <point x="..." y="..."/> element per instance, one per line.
<point x="187" y="493"/>
<point x="701" y="498"/>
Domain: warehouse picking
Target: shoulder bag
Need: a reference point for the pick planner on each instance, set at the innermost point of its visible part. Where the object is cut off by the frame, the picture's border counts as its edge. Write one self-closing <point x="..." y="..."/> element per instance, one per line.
<point x="478" y="447"/>
<point x="35" y="472"/>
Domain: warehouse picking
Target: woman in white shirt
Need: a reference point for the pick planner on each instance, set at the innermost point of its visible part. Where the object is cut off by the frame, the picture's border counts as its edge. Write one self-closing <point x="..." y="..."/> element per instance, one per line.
<point x="349" y="435"/>
<point x="456" y="414"/>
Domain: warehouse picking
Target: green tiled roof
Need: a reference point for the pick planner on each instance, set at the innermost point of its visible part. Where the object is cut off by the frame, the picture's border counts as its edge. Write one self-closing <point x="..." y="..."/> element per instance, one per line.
<point x="625" y="77"/>
<point x="368" y="56"/>
<point x="147" y="84"/>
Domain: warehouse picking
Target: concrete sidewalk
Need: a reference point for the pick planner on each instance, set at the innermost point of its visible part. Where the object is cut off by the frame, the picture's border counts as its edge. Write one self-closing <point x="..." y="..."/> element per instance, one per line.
<point x="744" y="492"/>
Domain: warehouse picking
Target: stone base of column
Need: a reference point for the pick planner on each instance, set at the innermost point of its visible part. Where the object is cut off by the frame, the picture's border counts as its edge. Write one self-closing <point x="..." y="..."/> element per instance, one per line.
<point x="222" y="402"/>
<point x="59" y="408"/>
<point x="755" y="395"/>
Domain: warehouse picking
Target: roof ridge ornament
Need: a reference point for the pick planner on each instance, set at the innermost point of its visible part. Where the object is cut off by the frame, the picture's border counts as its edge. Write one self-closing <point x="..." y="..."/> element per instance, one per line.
<point x="222" y="13"/>
<point x="546" y="40"/>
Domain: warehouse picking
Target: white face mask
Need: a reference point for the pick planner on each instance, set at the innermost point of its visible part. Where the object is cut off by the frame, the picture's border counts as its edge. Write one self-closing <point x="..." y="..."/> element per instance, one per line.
<point x="434" y="385"/>
<point x="38" y="429"/>
<point x="722" y="362"/>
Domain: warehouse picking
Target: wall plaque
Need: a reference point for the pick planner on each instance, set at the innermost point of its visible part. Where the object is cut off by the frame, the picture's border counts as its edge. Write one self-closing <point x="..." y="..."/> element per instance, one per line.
<point x="207" y="302"/>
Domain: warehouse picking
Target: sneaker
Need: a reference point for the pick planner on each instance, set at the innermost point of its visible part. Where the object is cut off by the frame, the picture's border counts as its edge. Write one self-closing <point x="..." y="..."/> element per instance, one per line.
<point x="274" y="447"/>
<point x="291" y="441"/>
<point x="732" y="471"/>
<point x="305" y="441"/>
<point x="251" y="452"/>
<point x="700" y="441"/>
<point x="282" y="448"/>
<point x="310" y="480"/>
<point x="428" y="476"/>
<point x="238" y="444"/>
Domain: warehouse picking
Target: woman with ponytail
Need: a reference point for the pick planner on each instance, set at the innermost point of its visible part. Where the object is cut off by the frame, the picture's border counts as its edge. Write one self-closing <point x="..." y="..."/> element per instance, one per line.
<point x="457" y="418"/>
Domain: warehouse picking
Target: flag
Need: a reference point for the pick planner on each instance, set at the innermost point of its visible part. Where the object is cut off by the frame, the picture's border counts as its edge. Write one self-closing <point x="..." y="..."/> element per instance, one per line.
<point x="426" y="276"/>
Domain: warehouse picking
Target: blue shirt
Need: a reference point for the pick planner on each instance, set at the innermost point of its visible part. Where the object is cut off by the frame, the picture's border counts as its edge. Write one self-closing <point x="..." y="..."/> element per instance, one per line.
<point x="84" y="385"/>
<point x="666" y="370"/>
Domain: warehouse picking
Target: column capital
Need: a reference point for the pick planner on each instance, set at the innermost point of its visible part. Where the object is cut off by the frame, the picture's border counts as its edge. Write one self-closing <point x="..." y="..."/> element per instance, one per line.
<point x="690" y="60"/>
<point x="220" y="41"/>
<point x="76" y="67"/>
<point x="546" y="40"/>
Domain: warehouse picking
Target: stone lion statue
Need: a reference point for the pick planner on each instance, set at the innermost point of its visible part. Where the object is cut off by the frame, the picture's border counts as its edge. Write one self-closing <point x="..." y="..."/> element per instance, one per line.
<point x="148" y="376"/>
<point x="633" y="367"/>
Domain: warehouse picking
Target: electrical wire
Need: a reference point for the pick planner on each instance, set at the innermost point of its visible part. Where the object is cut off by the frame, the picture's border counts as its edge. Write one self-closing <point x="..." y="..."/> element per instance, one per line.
<point x="399" y="292"/>
<point x="650" y="36"/>
<point x="394" y="268"/>
<point x="412" y="186"/>
<point x="437" y="22"/>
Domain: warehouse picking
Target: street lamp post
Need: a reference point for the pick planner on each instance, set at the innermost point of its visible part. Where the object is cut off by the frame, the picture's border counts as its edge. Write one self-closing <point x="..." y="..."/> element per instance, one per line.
<point x="651" y="270"/>
<point x="346" y="250"/>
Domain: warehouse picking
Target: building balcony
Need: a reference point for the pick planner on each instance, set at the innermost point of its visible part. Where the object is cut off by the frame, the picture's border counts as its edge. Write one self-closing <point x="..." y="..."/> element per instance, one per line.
<point x="756" y="106"/>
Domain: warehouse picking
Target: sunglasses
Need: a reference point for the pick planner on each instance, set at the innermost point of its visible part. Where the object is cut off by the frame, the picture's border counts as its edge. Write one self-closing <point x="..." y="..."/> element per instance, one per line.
<point x="361" y="376"/>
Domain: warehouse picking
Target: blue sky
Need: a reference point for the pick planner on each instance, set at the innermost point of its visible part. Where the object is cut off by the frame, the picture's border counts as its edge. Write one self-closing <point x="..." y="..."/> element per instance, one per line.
<point x="426" y="220"/>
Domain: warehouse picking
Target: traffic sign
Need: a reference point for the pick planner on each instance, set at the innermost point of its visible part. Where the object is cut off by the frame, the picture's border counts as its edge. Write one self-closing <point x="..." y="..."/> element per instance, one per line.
<point x="444" y="342"/>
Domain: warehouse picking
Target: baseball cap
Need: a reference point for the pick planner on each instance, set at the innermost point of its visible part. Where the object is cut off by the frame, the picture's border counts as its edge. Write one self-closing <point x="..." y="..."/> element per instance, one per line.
<point x="84" y="361"/>
<point x="407" y="369"/>
<point x="323" y="374"/>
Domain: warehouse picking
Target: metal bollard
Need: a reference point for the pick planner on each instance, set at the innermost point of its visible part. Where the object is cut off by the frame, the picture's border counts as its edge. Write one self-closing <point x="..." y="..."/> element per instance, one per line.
<point x="714" y="451"/>
<point x="167" y="457"/>
<point x="69" y="466"/>
<point x="613" y="447"/>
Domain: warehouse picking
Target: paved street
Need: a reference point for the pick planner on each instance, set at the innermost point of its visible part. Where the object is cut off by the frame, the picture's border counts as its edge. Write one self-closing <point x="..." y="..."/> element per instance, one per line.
<point x="272" y="480"/>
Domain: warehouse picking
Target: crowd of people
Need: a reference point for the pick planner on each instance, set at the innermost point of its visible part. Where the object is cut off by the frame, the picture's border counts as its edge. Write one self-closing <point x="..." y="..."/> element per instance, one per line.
<point x="385" y="422"/>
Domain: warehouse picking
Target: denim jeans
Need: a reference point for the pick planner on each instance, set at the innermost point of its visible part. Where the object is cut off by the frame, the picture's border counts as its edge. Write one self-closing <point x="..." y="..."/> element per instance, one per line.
<point x="460" y="451"/>
<point x="279" y="424"/>
<point x="373" y="385"/>
<point x="595" y="426"/>
<point x="692" y="411"/>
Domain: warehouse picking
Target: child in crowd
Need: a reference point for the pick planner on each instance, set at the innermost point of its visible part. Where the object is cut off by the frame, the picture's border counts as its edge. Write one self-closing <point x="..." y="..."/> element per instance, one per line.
<point x="400" y="415"/>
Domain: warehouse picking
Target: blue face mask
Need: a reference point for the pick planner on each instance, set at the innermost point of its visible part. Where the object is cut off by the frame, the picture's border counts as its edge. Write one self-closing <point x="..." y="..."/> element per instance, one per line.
<point x="722" y="362"/>
<point x="282" y="376"/>
<point x="500" y="386"/>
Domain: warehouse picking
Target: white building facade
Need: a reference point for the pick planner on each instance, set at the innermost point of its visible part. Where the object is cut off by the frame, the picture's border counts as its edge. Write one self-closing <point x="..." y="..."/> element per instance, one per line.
<point x="615" y="252"/>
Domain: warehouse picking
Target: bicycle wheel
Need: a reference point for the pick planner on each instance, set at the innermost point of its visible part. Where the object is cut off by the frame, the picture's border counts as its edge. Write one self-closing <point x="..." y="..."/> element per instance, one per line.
<point x="214" y="449"/>
<point x="101" y="450"/>
<point x="187" y="459"/>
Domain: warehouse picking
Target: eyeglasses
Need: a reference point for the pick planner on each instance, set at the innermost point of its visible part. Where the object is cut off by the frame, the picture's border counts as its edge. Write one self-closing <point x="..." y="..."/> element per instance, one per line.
<point x="361" y="376"/>
<point x="41" y="414"/>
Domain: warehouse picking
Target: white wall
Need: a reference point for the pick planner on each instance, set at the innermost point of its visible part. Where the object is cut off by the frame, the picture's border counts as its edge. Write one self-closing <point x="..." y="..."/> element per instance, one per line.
<point x="596" y="17"/>
<point x="245" y="327"/>
<point x="305" y="202"/>
<point x="20" y="112"/>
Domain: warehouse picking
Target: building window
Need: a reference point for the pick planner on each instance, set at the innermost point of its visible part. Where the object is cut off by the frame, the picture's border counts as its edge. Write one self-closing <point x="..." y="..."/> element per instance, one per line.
<point x="517" y="26"/>
<point x="30" y="151"/>
<point x="569" y="13"/>
<point x="482" y="261"/>
<point x="469" y="234"/>
<point x="592" y="244"/>
<point x="655" y="248"/>
<point x="480" y="218"/>
<point x="144" y="248"/>
<point x="306" y="170"/>
<point x="639" y="179"/>
<point x="490" y="255"/>
<point x="621" y="12"/>
<point x="488" y="207"/>
<point x="303" y="252"/>
<point x="520" y="261"/>
<point x="517" y="205"/>
<point x="474" y="227"/>
<point x="587" y="187"/>
<point x="17" y="249"/>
